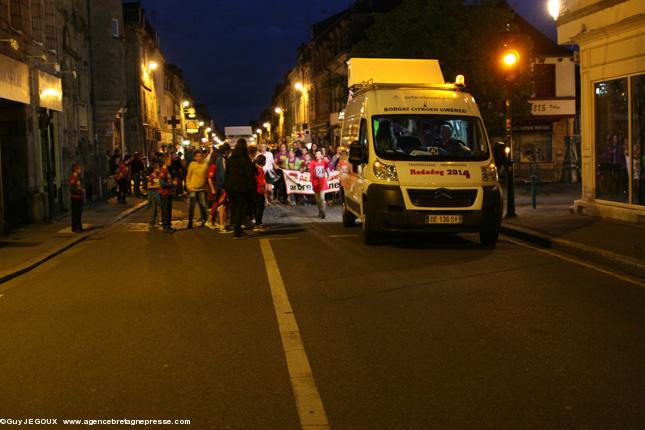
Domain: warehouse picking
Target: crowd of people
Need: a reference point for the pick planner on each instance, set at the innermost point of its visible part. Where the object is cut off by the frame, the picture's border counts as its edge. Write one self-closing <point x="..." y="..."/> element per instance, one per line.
<point x="231" y="186"/>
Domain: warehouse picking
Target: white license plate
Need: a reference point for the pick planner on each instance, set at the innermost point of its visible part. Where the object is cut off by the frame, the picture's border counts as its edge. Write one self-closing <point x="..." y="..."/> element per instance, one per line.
<point x="444" y="219"/>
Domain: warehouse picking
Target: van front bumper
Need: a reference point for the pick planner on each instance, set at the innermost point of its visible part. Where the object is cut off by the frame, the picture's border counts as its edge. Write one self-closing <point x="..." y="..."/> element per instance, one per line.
<point x="388" y="212"/>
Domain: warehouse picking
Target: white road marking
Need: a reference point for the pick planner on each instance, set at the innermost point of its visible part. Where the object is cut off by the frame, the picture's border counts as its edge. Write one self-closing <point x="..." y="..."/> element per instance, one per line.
<point x="579" y="262"/>
<point x="308" y="402"/>
<point x="335" y="236"/>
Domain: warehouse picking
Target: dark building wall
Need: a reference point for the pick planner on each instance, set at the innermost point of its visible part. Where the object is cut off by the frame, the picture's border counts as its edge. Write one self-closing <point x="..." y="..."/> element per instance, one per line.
<point x="109" y="73"/>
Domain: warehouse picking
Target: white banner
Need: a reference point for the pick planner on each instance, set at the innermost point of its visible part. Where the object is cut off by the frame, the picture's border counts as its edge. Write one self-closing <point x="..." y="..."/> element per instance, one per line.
<point x="300" y="183"/>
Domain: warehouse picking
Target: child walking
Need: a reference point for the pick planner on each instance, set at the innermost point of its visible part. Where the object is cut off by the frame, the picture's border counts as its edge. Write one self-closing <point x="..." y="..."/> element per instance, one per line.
<point x="318" y="172"/>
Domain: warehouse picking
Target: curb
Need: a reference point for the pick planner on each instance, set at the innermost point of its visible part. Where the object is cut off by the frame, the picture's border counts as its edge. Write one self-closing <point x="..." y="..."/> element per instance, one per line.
<point x="31" y="264"/>
<point x="597" y="255"/>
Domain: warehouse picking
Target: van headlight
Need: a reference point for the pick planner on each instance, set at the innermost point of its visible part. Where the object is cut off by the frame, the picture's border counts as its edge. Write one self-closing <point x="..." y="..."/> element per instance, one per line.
<point x="489" y="173"/>
<point x="385" y="172"/>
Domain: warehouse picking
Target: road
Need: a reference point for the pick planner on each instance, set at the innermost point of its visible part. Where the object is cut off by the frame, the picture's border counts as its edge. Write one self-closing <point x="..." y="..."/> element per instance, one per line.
<point x="426" y="333"/>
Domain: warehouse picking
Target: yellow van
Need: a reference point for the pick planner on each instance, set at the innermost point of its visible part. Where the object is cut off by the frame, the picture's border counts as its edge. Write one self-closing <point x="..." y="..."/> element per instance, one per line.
<point x="419" y="153"/>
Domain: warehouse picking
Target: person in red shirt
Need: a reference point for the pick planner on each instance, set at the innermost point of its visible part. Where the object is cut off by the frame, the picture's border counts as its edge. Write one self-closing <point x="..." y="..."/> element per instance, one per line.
<point x="261" y="189"/>
<point x="318" y="172"/>
<point x="77" y="195"/>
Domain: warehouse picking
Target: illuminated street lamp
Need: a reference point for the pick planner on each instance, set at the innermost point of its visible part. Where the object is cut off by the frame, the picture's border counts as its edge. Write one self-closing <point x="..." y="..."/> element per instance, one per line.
<point x="152" y="66"/>
<point x="186" y="103"/>
<point x="12" y="42"/>
<point x="511" y="58"/>
<point x="208" y="130"/>
<point x="553" y="7"/>
<point x="510" y="63"/>
<point x="201" y="123"/>
<point x="299" y="87"/>
<point x="278" y="110"/>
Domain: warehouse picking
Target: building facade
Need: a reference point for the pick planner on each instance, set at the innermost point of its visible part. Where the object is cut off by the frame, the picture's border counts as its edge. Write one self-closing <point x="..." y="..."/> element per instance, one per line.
<point x="612" y="81"/>
<point x="145" y="67"/>
<point x="45" y="107"/>
<point x="547" y="143"/>
<point x="314" y="92"/>
<point x="109" y="77"/>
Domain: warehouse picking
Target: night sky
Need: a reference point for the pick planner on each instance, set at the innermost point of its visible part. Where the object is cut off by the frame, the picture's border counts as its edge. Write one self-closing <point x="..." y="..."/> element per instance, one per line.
<point x="233" y="53"/>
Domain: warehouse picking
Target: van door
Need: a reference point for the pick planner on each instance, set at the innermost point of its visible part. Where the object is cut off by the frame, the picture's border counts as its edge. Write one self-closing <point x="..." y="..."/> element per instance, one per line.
<point x="359" y="185"/>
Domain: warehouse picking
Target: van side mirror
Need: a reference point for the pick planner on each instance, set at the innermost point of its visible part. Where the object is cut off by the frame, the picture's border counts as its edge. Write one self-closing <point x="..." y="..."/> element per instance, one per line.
<point x="499" y="154"/>
<point x="356" y="153"/>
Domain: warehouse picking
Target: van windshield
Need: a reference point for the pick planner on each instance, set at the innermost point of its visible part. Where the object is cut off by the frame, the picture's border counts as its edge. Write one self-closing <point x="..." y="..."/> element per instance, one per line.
<point x="429" y="137"/>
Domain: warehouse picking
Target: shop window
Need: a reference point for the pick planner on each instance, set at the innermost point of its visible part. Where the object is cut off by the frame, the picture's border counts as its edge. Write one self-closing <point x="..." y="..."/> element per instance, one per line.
<point x="533" y="147"/>
<point x="544" y="79"/>
<point x="638" y="135"/>
<point x="116" y="31"/>
<point x="611" y="111"/>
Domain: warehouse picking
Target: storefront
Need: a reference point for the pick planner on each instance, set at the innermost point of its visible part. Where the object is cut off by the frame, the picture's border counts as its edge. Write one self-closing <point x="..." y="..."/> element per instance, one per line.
<point x="14" y="174"/>
<point x="50" y="100"/>
<point x="612" y="66"/>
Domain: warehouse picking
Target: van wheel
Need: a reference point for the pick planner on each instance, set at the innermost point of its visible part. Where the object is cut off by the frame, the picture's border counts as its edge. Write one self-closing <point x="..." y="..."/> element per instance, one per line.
<point x="349" y="219"/>
<point x="488" y="238"/>
<point x="369" y="234"/>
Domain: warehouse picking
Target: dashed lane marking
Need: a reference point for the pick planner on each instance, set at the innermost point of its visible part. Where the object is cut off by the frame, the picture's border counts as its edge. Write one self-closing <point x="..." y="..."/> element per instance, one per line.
<point x="578" y="262"/>
<point x="308" y="402"/>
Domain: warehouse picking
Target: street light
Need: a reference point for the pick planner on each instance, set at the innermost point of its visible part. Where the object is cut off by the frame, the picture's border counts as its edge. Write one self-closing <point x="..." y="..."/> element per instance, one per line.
<point x="152" y="66"/>
<point x="554" y="8"/>
<point x="278" y="110"/>
<point x="201" y="123"/>
<point x="510" y="63"/>
<point x="299" y="87"/>
<point x="511" y="58"/>
<point x="208" y="130"/>
<point x="12" y="42"/>
<point x="186" y="103"/>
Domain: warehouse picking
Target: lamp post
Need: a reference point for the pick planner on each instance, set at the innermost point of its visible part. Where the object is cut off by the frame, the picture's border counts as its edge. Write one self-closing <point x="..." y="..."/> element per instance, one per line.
<point x="267" y="125"/>
<point x="510" y="63"/>
<point x="278" y="110"/>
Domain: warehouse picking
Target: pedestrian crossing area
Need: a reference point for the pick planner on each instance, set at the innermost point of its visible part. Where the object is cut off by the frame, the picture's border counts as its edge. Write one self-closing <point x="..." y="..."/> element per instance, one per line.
<point x="144" y="227"/>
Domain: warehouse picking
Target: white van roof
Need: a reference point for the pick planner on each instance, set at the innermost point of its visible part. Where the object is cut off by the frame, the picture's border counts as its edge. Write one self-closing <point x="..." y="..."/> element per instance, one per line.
<point x="394" y="71"/>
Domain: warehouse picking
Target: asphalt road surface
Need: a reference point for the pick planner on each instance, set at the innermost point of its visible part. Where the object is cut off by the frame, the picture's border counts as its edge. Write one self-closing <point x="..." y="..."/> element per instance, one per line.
<point x="305" y="327"/>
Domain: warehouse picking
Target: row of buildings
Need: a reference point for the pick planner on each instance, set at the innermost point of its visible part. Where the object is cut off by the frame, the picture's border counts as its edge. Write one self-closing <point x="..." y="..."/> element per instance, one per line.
<point x="313" y="95"/>
<point x="79" y="78"/>
<point x="585" y="123"/>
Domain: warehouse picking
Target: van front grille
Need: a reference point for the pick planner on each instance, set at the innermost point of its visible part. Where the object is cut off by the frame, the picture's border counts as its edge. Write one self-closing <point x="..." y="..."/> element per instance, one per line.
<point x="443" y="198"/>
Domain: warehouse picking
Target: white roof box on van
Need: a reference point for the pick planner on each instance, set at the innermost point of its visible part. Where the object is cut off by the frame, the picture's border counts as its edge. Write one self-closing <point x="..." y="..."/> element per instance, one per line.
<point x="393" y="71"/>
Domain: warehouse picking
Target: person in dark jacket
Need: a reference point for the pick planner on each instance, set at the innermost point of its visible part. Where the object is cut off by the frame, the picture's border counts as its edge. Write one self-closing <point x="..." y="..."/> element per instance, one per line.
<point x="239" y="184"/>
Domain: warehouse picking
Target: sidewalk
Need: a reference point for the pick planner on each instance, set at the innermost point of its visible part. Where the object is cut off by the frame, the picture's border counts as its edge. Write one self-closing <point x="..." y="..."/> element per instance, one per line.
<point x="29" y="246"/>
<point x="615" y="244"/>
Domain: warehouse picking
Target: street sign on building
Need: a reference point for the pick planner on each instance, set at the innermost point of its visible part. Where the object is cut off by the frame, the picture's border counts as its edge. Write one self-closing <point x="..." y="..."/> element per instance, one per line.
<point x="192" y="126"/>
<point x="553" y="107"/>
